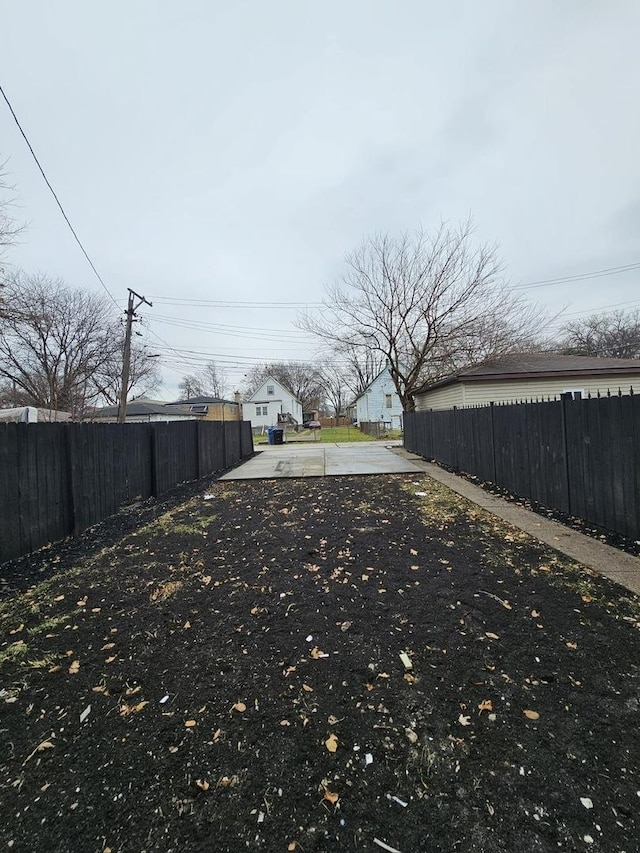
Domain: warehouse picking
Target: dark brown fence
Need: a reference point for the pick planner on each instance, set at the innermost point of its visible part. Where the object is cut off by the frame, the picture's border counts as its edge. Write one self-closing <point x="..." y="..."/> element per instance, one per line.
<point x="57" y="479"/>
<point x="580" y="456"/>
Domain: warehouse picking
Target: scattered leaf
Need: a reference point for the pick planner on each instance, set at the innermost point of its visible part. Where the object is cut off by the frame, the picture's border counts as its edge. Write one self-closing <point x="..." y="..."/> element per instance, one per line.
<point x="570" y="645"/>
<point x="331" y="743"/>
<point x="173" y="749"/>
<point x="111" y="659"/>
<point x="18" y="629"/>
<point x="331" y="797"/>
<point x="532" y="715"/>
<point x="333" y="720"/>
<point x="413" y="552"/>
<point x="58" y="598"/>
<point x="203" y="784"/>
<point x="74" y="668"/>
<point x="285" y="723"/>
<point x="189" y="724"/>
<point x="240" y="707"/>
<point x="535" y="614"/>
<point x="464" y="721"/>
<point x="485" y="705"/>
<point x="82" y="601"/>
<point x="291" y="846"/>
<point x="307" y="688"/>
<point x="492" y="636"/>
<point x="187" y="624"/>
<point x="587" y="802"/>
<point x="107" y="646"/>
<point x="55" y="668"/>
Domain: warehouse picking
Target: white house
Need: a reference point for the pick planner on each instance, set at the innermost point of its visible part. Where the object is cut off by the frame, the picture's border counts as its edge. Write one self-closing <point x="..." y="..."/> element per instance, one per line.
<point x="380" y="402"/>
<point x="272" y="404"/>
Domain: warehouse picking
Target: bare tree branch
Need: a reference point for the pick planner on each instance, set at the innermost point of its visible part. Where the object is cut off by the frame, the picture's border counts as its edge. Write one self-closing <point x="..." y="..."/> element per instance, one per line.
<point x="423" y="303"/>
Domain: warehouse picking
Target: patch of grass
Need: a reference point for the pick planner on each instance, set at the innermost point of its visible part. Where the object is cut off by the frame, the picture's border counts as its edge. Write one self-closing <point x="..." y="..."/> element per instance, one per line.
<point x="48" y="624"/>
<point x="337" y="434"/>
<point x="14" y="652"/>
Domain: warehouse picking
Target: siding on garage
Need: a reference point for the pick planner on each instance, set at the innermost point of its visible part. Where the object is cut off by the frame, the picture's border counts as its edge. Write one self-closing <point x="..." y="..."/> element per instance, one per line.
<point x="482" y="392"/>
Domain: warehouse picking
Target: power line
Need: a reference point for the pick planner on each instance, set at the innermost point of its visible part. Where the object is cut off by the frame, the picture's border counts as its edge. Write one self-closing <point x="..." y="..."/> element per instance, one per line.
<point x="227" y="303"/>
<point x="58" y="202"/>
<point x="547" y="282"/>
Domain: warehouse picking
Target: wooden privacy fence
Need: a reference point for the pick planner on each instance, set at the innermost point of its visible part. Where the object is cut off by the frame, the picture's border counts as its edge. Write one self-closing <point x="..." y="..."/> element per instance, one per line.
<point x="580" y="456"/>
<point x="57" y="479"/>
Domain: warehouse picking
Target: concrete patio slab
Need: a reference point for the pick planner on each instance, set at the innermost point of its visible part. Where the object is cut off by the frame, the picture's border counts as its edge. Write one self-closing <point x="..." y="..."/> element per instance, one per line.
<point x="322" y="460"/>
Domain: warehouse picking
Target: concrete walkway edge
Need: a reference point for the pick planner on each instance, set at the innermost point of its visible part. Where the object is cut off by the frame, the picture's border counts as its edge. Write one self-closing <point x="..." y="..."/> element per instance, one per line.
<point x="616" y="565"/>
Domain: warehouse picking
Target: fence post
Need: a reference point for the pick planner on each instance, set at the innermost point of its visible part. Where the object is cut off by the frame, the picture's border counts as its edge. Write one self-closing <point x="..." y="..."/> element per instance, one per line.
<point x="71" y="480"/>
<point x="493" y="445"/>
<point x="565" y="449"/>
<point x="456" y="465"/>
<point x="154" y="459"/>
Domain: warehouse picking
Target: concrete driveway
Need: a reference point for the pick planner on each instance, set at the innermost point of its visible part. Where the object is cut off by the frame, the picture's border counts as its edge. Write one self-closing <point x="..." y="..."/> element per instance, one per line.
<point x="322" y="460"/>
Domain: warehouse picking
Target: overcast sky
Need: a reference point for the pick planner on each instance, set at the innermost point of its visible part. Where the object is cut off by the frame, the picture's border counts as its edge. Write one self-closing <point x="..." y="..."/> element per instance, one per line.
<point x="234" y="152"/>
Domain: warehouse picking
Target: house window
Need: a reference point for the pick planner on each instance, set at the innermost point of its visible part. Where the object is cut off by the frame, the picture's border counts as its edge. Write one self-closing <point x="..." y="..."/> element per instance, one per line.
<point x="388" y="401"/>
<point x="270" y="391"/>
<point x="262" y="410"/>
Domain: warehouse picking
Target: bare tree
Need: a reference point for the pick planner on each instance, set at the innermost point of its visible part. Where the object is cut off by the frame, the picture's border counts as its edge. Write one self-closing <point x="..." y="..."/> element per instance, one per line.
<point x="302" y="380"/>
<point x="614" y="335"/>
<point x="144" y="375"/>
<point x="418" y="299"/>
<point x="60" y="348"/>
<point x="210" y="381"/>
<point x="361" y="366"/>
<point x="9" y="229"/>
<point x="333" y="378"/>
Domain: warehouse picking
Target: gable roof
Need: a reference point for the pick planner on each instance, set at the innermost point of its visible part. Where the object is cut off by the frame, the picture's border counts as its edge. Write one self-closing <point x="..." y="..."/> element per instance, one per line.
<point x="538" y="365"/>
<point x="282" y="387"/>
<point x="375" y="379"/>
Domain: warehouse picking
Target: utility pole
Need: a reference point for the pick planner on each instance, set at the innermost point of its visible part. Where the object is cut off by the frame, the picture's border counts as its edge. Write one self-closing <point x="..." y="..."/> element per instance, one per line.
<point x="126" y="356"/>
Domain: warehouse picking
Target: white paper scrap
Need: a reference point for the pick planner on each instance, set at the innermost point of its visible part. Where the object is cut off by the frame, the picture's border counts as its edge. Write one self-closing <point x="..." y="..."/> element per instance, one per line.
<point x="85" y="713"/>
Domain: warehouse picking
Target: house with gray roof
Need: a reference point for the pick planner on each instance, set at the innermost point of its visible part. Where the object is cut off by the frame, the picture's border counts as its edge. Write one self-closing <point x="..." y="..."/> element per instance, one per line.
<point x="530" y="376"/>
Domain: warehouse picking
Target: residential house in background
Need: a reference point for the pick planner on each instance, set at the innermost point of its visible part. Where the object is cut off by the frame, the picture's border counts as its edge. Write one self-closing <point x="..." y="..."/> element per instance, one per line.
<point x="272" y="404"/>
<point x="529" y="376"/>
<point x="379" y="403"/>
<point x="212" y="408"/>
<point x="143" y="411"/>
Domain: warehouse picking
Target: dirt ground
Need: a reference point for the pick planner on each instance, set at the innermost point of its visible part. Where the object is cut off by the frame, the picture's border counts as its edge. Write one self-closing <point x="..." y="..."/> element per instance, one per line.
<point x="345" y="664"/>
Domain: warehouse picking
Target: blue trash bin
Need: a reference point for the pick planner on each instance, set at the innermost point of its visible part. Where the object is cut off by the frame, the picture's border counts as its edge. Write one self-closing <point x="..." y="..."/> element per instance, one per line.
<point x="270" y="433"/>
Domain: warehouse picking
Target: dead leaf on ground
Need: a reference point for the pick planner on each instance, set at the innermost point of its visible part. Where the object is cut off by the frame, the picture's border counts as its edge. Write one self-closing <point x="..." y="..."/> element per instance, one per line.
<point x="331" y="797"/>
<point x="240" y="707"/>
<point x="413" y="552"/>
<point x="492" y="636"/>
<point x="464" y="720"/>
<point x="111" y="659"/>
<point x="331" y="743"/>
<point x="55" y="668"/>
<point x="187" y="624"/>
<point x="485" y="705"/>
<point x="291" y="846"/>
<point x="189" y="724"/>
<point x="535" y="614"/>
<point x="203" y="784"/>
<point x="107" y="646"/>
<point x="532" y="715"/>
<point x="307" y="688"/>
<point x="570" y="645"/>
<point x="74" y="668"/>
<point x="127" y="710"/>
